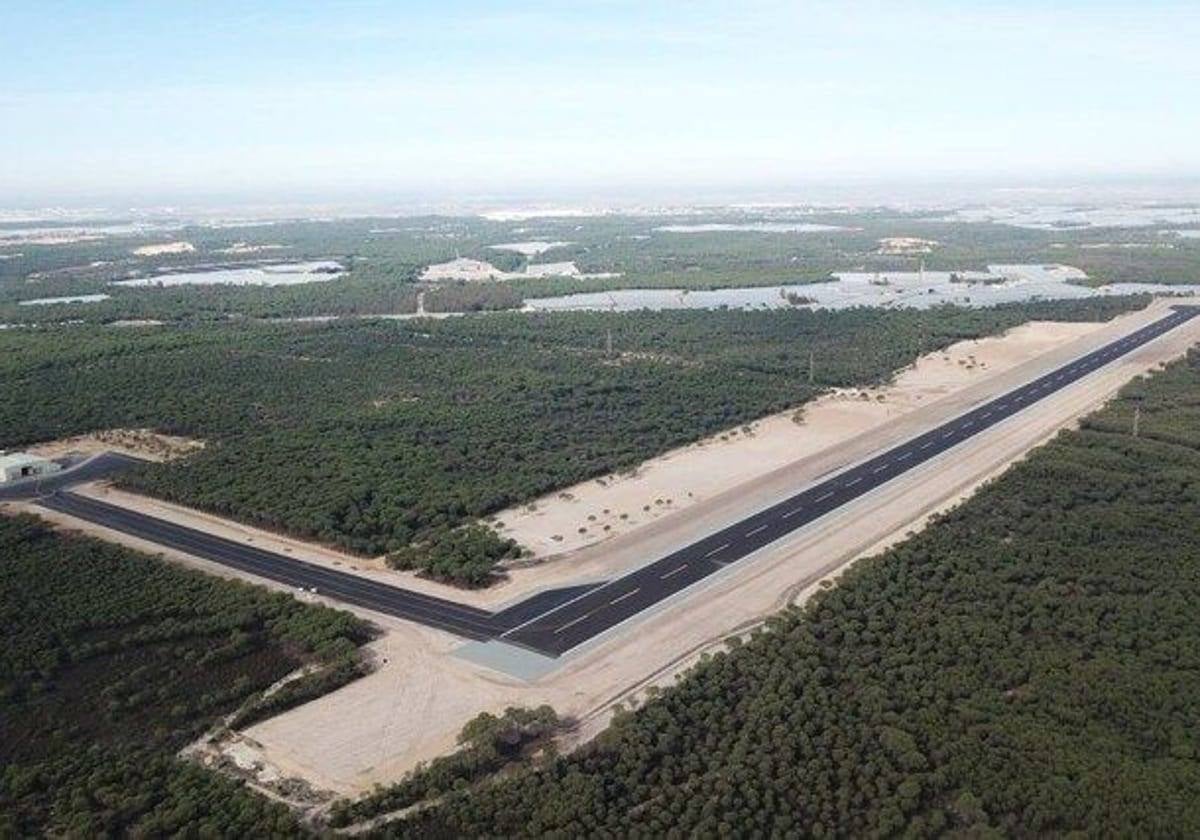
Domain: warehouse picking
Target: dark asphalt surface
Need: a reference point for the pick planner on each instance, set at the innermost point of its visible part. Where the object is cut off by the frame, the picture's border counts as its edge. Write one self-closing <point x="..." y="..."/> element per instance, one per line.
<point x="430" y="610"/>
<point x="556" y="621"/>
<point x="103" y="465"/>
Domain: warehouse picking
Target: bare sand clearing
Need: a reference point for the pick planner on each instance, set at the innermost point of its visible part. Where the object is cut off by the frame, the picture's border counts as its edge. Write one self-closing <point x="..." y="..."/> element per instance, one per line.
<point x="164" y="248"/>
<point x="141" y="443"/>
<point x="906" y="245"/>
<point x="529" y="249"/>
<point x="411" y="709"/>
<point x="476" y="271"/>
<point x="618" y="504"/>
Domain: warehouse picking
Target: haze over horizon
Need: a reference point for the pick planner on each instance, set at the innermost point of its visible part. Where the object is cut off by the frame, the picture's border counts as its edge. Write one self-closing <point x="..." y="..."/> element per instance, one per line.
<point x="142" y="102"/>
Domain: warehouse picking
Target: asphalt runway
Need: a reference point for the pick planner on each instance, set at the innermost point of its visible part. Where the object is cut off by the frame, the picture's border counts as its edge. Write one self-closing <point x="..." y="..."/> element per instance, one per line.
<point x="554" y="622"/>
<point x="585" y="617"/>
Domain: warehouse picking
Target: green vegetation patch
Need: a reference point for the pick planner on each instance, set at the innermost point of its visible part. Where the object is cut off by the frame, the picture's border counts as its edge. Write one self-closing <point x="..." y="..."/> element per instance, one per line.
<point x="112" y="661"/>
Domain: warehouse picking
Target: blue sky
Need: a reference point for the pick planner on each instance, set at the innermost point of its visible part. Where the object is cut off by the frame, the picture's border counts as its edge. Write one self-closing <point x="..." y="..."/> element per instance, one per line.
<point x="165" y="100"/>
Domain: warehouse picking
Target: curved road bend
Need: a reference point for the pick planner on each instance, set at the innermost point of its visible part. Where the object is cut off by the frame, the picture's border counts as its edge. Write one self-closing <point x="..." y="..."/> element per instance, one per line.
<point x="557" y="621"/>
<point x="89" y="469"/>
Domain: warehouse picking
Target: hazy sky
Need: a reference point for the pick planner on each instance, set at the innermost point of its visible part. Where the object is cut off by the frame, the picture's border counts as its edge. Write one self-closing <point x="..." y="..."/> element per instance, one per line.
<point x="156" y="100"/>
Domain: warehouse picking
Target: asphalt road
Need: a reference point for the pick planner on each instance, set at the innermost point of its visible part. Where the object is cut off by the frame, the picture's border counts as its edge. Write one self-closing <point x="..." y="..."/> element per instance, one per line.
<point x="104" y="465"/>
<point x="557" y="621"/>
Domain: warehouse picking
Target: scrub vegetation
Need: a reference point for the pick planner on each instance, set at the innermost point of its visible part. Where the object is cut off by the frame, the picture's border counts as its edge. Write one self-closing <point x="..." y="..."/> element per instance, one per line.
<point x="1026" y="666"/>
<point x="112" y="661"/>
<point x="388" y="437"/>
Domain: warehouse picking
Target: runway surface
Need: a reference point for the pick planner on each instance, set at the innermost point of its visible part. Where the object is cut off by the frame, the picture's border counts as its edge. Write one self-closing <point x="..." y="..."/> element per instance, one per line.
<point x="555" y="622"/>
<point x="572" y="624"/>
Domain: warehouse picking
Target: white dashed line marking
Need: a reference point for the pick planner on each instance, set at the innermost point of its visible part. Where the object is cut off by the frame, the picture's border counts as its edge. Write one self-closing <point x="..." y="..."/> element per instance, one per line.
<point x="823" y="498"/>
<point x="628" y="594"/>
<point x="717" y="549"/>
<point x="574" y="621"/>
<point x="855" y="481"/>
<point x="756" y="530"/>
<point x="673" y="572"/>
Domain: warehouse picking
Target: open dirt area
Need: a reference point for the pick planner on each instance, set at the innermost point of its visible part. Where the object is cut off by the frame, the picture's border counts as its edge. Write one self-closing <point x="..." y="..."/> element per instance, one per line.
<point x="906" y="245"/>
<point x="412" y="707"/>
<point x="142" y="443"/>
<point x="164" y="248"/>
<point x="529" y="249"/>
<point x="477" y="271"/>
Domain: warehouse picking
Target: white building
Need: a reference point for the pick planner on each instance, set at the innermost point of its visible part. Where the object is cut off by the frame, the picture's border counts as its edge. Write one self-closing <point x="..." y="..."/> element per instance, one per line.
<point x="17" y="465"/>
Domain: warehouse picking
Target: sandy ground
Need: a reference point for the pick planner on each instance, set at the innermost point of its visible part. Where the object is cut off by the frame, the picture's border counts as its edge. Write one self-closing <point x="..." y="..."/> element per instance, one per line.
<point x="244" y="248"/>
<point x="411" y="709"/>
<point x="164" y="248"/>
<point x="478" y="271"/>
<point x="529" y="249"/>
<point x="142" y="443"/>
<point x="906" y="245"/>
<point x="463" y="269"/>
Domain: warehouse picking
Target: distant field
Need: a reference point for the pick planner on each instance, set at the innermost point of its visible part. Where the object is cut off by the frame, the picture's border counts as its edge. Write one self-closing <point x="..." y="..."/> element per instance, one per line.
<point x="380" y="435"/>
<point x="386" y="256"/>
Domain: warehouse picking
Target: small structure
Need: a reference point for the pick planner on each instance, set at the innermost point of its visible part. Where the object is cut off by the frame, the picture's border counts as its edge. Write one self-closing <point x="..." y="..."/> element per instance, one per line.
<point x="18" y="465"/>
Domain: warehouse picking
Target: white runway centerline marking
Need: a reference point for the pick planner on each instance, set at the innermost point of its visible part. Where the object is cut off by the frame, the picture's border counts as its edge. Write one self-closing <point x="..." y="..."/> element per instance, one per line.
<point x="880" y="468"/>
<point x="756" y="530"/>
<point x="673" y="572"/>
<point x="855" y="481"/>
<point x="791" y="512"/>
<point x="823" y="498"/>
<point x="903" y="455"/>
<point x="717" y="549"/>
<point x="575" y="621"/>
<point x="927" y="444"/>
<point x="628" y="594"/>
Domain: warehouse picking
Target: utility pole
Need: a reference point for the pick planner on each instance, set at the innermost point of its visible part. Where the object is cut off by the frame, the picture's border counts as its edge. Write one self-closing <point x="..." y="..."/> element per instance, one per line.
<point x="812" y="366"/>
<point x="1137" y="415"/>
<point x="608" y="345"/>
